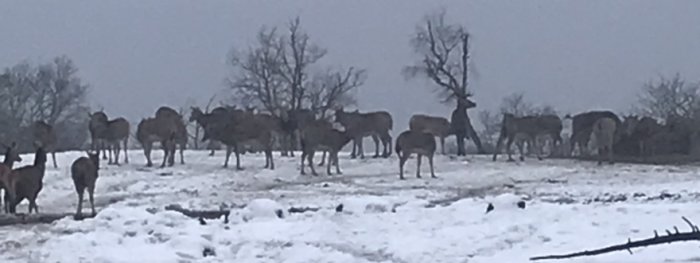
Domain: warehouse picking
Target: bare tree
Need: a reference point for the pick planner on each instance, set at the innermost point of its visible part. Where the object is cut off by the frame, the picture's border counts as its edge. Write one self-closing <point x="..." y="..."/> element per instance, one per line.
<point x="50" y="92"/>
<point x="517" y="105"/>
<point x="670" y="98"/>
<point x="275" y="74"/>
<point x="443" y="50"/>
<point x="332" y="89"/>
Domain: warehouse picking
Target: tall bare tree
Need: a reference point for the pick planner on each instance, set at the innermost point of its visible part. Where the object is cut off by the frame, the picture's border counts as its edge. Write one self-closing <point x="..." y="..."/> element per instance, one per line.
<point x="443" y="51"/>
<point x="276" y="73"/>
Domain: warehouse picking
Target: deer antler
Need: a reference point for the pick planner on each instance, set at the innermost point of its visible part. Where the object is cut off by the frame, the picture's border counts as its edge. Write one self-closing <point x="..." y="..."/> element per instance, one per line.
<point x="670" y="237"/>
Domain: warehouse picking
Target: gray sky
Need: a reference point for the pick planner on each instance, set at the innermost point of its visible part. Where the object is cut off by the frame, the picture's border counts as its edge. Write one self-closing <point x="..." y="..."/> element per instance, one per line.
<point x="575" y="55"/>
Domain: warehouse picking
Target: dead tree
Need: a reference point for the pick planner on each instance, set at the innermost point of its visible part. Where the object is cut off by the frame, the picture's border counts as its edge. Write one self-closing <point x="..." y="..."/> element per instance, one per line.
<point x="670" y="237"/>
<point x="443" y="50"/>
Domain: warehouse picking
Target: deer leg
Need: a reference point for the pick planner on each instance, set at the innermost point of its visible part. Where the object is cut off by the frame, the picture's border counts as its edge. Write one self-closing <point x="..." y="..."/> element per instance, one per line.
<point x="361" y="147"/>
<point x="303" y="155"/>
<point x="182" y="153"/>
<point x="402" y="161"/>
<point x="335" y="160"/>
<point x="80" y="201"/>
<point x="53" y="156"/>
<point x="418" y="160"/>
<point x="323" y="159"/>
<point x="330" y="161"/>
<point x="269" y="154"/>
<point x="442" y="144"/>
<point x="353" y="155"/>
<point x="376" y="145"/>
<point x="91" y="192"/>
<point x="165" y="157"/>
<point x="126" y="150"/>
<point x="238" y="160"/>
<point x="509" y="143"/>
<point x="496" y="151"/>
<point x="147" y="147"/>
<point x="117" y="149"/>
<point x="310" y="161"/>
<point x="101" y="147"/>
<point x="432" y="171"/>
<point x="521" y="149"/>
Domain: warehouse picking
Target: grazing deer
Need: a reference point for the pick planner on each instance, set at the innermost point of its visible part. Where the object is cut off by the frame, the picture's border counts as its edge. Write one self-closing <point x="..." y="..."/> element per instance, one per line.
<point x="26" y="182"/>
<point x="238" y="129"/>
<point x="45" y="137"/>
<point x="642" y="132"/>
<point x="437" y="126"/>
<point x="375" y="124"/>
<point x="420" y="143"/>
<point x="181" y="132"/>
<point x="152" y="130"/>
<point x="196" y="114"/>
<point x="603" y="138"/>
<point x="11" y="156"/>
<point x="113" y="132"/>
<point x="519" y="128"/>
<point x="582" y="126"/>
<point x="320" y="135"/>
<point x="84" y="173"/>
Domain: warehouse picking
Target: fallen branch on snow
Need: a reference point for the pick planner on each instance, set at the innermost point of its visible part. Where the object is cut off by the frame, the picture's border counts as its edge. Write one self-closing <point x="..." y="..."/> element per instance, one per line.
<point x="200" y="214"/>
<point x="693" y="235"/>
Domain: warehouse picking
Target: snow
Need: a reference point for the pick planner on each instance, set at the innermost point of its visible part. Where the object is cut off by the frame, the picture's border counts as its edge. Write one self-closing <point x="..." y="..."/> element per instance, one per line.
<point x="570" y="206"/>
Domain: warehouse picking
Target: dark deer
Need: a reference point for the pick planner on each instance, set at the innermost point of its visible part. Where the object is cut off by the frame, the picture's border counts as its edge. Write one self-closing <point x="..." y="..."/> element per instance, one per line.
<point x="84" y="173"/>
<point x="181" y="132"/>
<point x="437" y="126"/>
<point x="319" y="135"/>
<point x="420" y="143"/>
<point x="582" y="126"/>
<point x="157" y="130"/>
<point x="26" y="182"/>
<point x="375" y="124"/>
<point x="113" y="132"/>
<point x="97" y="129"/>
<point x="603" y="138"/>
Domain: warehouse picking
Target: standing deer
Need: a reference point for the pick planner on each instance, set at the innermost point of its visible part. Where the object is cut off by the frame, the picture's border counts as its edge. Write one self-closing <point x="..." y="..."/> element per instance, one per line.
<point x="523" y="128"/>
<point x="84" y="173"/>
<point x="603" y="138"/>
<point x="26" y="182"/>
<point x="181" y="132"/>
<point x="582" y="126"/>
<point x="97" y="128"/>
<point x="437" y="126"/>
<point x="111" y="132"/>
<point x="420" y="143"/>
<point x="11" y="156"/>
<point x="376" y="124"/>
<point x="462" y="126"/>
<point x="45" y="137"/>
<point x="320" y="135"/>
<point x="157" y="130"/>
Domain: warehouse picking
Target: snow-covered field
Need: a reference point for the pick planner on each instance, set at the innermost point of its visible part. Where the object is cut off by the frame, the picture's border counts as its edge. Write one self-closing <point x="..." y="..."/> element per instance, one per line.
<point x="571" y="206"/>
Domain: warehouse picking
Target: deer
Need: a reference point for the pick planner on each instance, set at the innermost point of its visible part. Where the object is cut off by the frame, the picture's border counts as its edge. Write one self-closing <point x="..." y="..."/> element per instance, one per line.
<point x="437" y="126"/>
<point x="84" y="173"/>
<point x="320" y="135"/>
<point x="26" y="182"/>
<point x="165" y="112"/>
<point x="162" y="130"/>
<point x="238" y="129"/>
<point x="418" y="142"/>
<point x="603" y="137"/>
<point x="97" y="127"/>
<point x="45" y="136"/>
<point x="522" y="128"/>
<point x="376" y="124"/>
<point x="112" y="132"/>
<point x="582" y="125"/>
<point x="292" y="121"/>
<point x="11" y="156"/>
<point x="642" y="132"/>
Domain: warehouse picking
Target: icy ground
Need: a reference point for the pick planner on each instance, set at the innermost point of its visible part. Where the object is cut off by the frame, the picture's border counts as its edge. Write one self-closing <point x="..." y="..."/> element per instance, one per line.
<point x="571" y="206"/>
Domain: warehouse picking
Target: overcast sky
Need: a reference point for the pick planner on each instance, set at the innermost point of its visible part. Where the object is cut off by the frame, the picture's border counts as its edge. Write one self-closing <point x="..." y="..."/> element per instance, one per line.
<point x="575" y="55"/>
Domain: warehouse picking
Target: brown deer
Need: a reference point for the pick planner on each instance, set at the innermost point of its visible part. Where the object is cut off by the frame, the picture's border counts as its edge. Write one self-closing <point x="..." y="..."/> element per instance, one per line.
<point x="181" y="133"/>
<point x="237" y="129"/>
<point x="11" y="156"/>
<point x="152" y="130"/>
<point x="84" y="173"/>
<point x="375" y="124"/>
<point x="437" y="126"/>
<point x="97" y="128"/>
<point x="45" y="137"/>
<point x="420" y="143"/>
<point x="26" y="182"/>
<point x="111" y="132"/>
<point x="319" y="135"/>
<point x="582" y="126"/>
